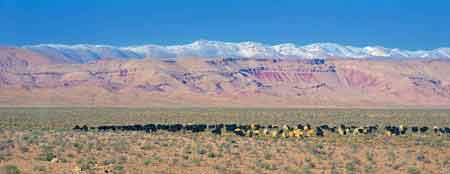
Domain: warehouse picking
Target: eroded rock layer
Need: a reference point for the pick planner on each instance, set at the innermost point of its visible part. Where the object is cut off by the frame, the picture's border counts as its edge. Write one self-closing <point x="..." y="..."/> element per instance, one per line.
<point x="30" y="79"/>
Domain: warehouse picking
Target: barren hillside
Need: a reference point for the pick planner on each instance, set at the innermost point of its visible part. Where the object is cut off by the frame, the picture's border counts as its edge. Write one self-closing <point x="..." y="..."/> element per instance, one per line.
<point x="30" y="79"/>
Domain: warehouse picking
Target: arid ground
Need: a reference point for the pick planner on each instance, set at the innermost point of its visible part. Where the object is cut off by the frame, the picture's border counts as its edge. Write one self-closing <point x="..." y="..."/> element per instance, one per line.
<point x="40" y="140"/>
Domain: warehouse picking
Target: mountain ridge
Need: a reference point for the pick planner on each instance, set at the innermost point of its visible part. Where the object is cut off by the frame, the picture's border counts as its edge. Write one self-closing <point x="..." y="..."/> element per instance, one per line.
<point x="31" y="79"/>
<point x="83" y="53"/>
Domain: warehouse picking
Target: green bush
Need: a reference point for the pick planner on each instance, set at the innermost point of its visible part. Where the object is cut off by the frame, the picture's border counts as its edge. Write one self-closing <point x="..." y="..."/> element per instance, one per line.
<point x="46" y="156"/>
<point x="86" y="164"/>
<point x="108" y="162"/>
<point x="413" y="170"/>
<point x="147" y="162"/>
<point x="211" y="155"/>
<point x="12" y="169"/>
<point x="119" y="169"/>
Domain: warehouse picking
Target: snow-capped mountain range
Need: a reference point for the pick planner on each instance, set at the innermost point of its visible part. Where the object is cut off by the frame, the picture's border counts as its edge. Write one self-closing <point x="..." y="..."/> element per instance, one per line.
<point x="83" y="53"/>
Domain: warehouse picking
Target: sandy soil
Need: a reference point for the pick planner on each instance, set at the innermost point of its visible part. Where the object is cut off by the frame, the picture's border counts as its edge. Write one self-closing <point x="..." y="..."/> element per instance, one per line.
<point x="92" y="152"/>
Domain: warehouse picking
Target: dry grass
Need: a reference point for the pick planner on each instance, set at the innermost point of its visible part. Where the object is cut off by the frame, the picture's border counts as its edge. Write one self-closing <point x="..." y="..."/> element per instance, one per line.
<point x="34" y="141"/>
<point x="93" y="152"/>
<point x="52" y="118"/>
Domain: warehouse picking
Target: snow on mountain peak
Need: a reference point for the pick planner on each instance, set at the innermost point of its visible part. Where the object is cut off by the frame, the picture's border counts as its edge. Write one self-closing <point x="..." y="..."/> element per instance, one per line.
<point x="82" y="53"/>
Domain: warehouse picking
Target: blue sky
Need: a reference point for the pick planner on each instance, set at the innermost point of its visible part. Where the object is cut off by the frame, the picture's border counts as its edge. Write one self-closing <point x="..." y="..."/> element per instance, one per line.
<point x="406" y="24"/>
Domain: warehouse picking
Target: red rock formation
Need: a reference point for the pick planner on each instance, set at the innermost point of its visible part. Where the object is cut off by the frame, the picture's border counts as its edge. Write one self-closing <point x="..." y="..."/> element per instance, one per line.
<point x="33" y="80"/>
<point x="356" y="78"/>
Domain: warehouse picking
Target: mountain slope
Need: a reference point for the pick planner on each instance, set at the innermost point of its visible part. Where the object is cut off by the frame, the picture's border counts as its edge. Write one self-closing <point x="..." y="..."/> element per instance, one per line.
<point x="214" y="49"/>
<point x="230" y="83"/>
<point x="11" y="57"/>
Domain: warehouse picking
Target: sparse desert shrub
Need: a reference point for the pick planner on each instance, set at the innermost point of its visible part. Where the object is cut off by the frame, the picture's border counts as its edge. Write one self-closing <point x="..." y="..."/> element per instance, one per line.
<point x="369" y="156"/>
<point x="267" y="156"/>
<point x="369" y="168"/>
<point x="266" y="165"/>
<point x="157" y="158"/>
<point x="86" y="163"/>
<point x="122" y="159"/>
<point x="446" y="162"/>
<point x="307" y="170"/>
<point x="201" y="151"/>
<point x="6" y="144"/>
<point x="24" y="148"/>
<point x="174" y="161"/>
<point x="120" y="146"/>
<point x="196" y="162"/>
<point x="60" y="141"/>
<point x="391" y="155"/>
<point x="11" y="169"/>
<point x="354" y="148"/>
<point x="46" y="155"/>
<point x="211" y="155"/>
<point x="109" y="161"/>
<point x="119" y="169"/>
<point x="5" y="155"/>
<point x="309" y="163"/>
<point x="71" y="155"/>
<point x="334" y="168"/>
<point x="31" y="139"/>
<point x="147" y="146"/>
<point x="350" y="167"/>
<point x="78" y="146"/>
<point x="40" y="168"/>
<point x="91" y="146"/>
<point x="399" y="165"/>
<point x="147" y="162"/>
<point x="181" y="151"/>
<point x="413" y="170"/>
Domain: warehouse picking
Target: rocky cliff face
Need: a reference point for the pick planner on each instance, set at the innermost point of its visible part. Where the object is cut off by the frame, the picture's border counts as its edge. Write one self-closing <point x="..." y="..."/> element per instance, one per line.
<point x="30" y="79"/>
